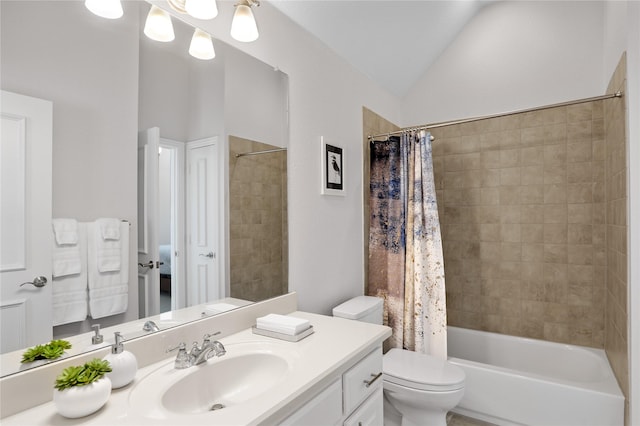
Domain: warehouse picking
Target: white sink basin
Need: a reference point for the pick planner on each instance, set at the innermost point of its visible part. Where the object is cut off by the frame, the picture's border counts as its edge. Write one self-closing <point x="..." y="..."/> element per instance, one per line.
<point x="247" y="371"/>
<point x="224" y="383"/>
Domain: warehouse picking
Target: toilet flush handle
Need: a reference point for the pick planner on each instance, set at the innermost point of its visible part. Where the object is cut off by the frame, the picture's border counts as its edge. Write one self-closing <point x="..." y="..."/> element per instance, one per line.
<point x="368" y="383"/>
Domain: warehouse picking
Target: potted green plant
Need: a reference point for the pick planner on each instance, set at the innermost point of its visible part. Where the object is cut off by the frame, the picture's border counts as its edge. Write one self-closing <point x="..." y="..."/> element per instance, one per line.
<point x="52" y="350"/>
<point x="83" y="389"/>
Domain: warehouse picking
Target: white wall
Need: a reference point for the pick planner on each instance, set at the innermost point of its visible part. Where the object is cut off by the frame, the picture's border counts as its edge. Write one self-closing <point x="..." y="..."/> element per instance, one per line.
<point x="255" y="99"/>
<point x="94" y="107"/>
<point x="326" y="96"/>
<point x="513" y="55"/>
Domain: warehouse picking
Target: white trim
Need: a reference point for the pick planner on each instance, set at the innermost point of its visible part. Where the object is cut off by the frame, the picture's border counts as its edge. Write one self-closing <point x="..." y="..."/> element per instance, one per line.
<point x="19" y="187"/>
<point x="143" y="222"/>
<point x="633" y="206"/>
<point x="178" y="231"/>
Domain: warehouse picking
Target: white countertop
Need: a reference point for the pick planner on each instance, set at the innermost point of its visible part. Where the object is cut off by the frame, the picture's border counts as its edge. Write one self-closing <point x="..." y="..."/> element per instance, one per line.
<point x="335" y="345"/>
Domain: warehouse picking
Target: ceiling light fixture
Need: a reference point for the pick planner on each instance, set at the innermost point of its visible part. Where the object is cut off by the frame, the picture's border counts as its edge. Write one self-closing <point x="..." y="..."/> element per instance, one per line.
<point x="201" y="45"/>
<point x="243" y="26"/>
<point x="110" y="9"/>
<point x="201" y="9"/>
<point x="158" y="25"/>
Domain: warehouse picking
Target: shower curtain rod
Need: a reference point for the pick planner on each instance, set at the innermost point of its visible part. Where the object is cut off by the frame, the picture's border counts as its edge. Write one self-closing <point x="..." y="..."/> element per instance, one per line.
<point x="503" y="114"/>
<point x="260" y="152"/>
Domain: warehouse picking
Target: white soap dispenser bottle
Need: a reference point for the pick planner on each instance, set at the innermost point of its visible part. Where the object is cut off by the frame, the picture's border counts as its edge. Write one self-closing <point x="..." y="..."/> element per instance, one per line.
<point x="123" y="364"/>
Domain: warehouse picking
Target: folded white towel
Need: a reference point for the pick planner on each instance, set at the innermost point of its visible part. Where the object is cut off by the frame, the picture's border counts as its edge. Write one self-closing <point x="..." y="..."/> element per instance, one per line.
<point x="65" y="255"/>
<point x="65" y="231"/>
<point x="108" y="290"/>
<point x="109" y="228"/>
<point x="109" y="256"/>
<point x="66" y="260"/>
<point x="282" y="324"/>
<point x="69" y="298"/>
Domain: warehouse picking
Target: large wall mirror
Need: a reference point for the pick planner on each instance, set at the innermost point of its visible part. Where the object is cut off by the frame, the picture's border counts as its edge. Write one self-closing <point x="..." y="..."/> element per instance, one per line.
<point x="191" y="153"/>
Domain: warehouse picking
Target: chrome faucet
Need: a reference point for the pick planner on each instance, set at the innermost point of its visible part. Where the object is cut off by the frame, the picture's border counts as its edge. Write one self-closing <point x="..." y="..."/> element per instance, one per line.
<point x="150" y="326"/>
<point x="198" y="354"/>
<point x="207" y="350"/>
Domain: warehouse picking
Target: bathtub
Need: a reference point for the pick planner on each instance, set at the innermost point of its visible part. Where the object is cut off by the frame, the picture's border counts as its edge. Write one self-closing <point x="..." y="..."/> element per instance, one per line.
<point x="519" y="381"/>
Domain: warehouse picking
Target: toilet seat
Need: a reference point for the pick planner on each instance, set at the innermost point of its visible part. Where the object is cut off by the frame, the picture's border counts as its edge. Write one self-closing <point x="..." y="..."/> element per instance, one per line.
<point x="421" y="372"/>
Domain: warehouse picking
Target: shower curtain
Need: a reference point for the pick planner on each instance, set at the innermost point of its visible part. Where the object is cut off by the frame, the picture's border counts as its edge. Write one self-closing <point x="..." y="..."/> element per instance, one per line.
<point x="406" y="265"/>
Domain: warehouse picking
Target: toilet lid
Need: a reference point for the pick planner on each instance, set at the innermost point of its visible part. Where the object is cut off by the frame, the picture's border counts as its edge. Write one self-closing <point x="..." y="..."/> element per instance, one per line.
<point x="420" y="371"/>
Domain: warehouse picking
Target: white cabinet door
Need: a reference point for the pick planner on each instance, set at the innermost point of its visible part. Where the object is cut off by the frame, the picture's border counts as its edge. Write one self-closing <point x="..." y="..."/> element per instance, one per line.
<point x="325" y="409"/>
<point x="25" y="221"/>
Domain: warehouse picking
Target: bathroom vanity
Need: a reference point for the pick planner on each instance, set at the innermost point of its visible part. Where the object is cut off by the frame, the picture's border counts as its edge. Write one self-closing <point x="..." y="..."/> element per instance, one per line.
<point x="332" y="376"/>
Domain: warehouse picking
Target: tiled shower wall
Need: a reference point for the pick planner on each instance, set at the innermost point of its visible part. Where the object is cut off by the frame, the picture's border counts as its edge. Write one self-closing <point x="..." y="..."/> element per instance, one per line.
<point x="616" y="316"/>
<point x="258" y="221"/>
<point x="533" y="209"/>
<point x="522" y="211"/>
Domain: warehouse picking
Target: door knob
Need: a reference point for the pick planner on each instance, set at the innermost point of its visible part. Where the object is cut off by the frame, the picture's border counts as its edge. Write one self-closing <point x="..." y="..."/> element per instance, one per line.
<point x="146" y="265"/>
<point x="37" y="282"/>
<point x="209" y="255"/>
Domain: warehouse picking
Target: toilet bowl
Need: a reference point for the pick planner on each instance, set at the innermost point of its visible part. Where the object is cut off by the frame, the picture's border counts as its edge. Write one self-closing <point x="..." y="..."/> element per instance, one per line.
<point x="420" y="388"/>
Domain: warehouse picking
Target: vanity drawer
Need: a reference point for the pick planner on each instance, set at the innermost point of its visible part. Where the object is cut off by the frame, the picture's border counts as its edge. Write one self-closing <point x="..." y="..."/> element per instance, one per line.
<point x="362" y="380"/>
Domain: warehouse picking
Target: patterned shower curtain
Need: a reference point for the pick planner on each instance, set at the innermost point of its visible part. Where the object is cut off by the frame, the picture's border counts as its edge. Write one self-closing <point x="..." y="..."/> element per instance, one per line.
<point x="406" y="265"/>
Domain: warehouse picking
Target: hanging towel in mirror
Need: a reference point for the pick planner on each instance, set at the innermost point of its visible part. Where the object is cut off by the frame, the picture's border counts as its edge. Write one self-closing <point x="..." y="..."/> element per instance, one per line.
<point x="109" y="228"/>
<point x="108" y="291"/>
<point x="65" y="231"/>
<point x="65" y="255"/>
<point x="108" y="245"/>
<point x="69" y="298"/>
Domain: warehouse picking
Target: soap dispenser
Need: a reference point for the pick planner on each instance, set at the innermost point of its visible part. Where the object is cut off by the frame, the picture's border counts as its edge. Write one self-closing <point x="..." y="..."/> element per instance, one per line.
<point x="123" y="364"/>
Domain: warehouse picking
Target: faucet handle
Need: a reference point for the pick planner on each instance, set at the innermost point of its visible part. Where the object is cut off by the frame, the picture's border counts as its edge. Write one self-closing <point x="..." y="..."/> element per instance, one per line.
<point x="182" y="346"/>
<point x="183" y="360"/>
<point x="97" y="338"/>
<point x="207" y="337"/>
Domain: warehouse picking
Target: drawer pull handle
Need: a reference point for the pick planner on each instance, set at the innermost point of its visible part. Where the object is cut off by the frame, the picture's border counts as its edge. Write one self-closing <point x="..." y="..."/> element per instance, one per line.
<point x="375" y="377"/>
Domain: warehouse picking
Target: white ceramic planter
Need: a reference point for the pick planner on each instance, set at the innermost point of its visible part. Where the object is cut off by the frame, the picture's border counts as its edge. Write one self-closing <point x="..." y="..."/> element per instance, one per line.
<point x="80" y="401"/>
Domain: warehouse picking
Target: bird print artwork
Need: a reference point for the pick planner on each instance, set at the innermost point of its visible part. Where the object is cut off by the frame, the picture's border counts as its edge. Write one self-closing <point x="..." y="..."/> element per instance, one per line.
<point x="336" y="175"/>
<point x="332" y="169"/>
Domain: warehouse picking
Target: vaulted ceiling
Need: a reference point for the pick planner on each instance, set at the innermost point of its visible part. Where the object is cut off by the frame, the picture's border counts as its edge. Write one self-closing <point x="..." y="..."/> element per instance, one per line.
<point x="393" y="42"/>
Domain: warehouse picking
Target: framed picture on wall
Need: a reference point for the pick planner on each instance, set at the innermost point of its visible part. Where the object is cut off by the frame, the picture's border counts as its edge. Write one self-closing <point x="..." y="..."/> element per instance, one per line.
<point x="332" y="168"/>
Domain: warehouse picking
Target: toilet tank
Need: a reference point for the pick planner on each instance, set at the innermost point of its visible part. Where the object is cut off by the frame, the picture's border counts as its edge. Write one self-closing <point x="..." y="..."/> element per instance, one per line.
<point x="361" y="308"/>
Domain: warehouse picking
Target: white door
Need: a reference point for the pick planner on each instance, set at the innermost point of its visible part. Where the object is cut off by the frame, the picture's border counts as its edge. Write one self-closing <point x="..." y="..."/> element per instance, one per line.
<point x="25" y="221"/>
<point x="148" y="253"/>
<point x="203" y="281"/>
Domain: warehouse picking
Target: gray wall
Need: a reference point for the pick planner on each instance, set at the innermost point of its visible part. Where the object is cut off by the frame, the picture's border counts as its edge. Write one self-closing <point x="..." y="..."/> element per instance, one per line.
<point x="95" y="98"/>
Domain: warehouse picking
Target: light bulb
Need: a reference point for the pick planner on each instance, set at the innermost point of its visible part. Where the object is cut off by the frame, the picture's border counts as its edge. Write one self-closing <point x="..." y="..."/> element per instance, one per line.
<point x="158" y="25"/>
<point x="201" y="9"/>
<point x="110" y="9"/>
<point x="201" y="45"/>
<point x="243" y="26"/>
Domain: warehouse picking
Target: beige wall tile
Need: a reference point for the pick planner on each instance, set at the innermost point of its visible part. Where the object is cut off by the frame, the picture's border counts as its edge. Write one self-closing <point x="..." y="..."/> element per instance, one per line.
<point x="534" y="206"/>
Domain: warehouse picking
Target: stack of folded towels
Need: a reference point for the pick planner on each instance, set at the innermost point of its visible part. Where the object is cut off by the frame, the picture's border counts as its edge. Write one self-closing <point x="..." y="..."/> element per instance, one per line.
<point x="282" y="324"/>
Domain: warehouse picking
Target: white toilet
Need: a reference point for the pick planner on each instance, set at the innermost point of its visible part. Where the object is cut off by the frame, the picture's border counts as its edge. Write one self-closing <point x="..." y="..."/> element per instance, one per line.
<point x="422" y="388"/>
